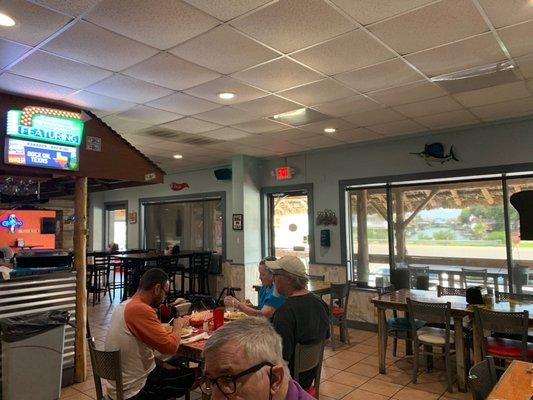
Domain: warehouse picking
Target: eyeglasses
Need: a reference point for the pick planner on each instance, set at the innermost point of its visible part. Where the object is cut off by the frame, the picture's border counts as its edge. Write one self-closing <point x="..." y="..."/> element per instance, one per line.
<point x="227" y="384"/>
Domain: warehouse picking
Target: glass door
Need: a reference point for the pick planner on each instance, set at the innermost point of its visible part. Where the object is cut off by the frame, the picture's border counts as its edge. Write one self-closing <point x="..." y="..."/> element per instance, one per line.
<point x="115" y="227"/>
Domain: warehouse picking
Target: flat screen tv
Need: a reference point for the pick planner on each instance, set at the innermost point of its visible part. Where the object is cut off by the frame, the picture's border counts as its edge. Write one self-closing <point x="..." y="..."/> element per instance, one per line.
<point x="48" y="226"/>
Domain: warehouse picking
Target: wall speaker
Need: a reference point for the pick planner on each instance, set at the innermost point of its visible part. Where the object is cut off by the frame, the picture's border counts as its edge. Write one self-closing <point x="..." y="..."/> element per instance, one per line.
<point x="223" y="174"/>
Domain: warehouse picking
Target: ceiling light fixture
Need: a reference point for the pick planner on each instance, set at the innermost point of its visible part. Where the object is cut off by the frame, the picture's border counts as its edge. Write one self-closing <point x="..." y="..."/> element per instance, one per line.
<point x="330" y="130"/>
<point x="226" y="95"/>
<point x="289" y="114"/>
<point x="178" y="156"/>
<point x="6" y="20"/>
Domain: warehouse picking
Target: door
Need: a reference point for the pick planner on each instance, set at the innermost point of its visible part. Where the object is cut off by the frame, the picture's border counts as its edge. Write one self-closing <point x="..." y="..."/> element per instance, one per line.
<point x="116" y="226"/>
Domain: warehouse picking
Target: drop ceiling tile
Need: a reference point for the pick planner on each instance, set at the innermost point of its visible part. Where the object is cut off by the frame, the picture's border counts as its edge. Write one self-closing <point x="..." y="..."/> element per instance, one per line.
<point x="191" y="125"/>
<point x="427" y="107"/>
<point x="447" y="119"/>
<point x="354" y="50"/>
<point x="503" y="13"/>
<point x="83" y="42"/>
<point x="318" y="127"/>
<point x="257" y="152"/>
<point x="507" y="109"/>
<point x="125" y="125"/>
<point x="526" y="65"/>
<point x="370" y="11"/>
<point x="33" y="23"/>
<point x="494" y="94"/>
<point x="98" y="103"/>
<point x="293" y="24"/>
<point x="182" y="103"/>
<point x="225" y="10"/>
<point x="224" y="50"/>
<point x="281" y="147"/>
<point x="319" y="141"/>
<point x="381" y="76"/>
<point x="347" y="106"/>
<point x="357" y="135"/>
<point x="48" y="68"/>
<point x="431" y="26"/>
<point x="317" y="92"/>
<point x="226" y="116"/>
<point x="374" y="117"/>
<point x="129" y="89"/>
<point x="225" y="134"/>
<point x="458" y="56"/>
<point x="171" y="72"/>
<point x="149" y="115"/>
<point x="70" y="7"/>
<point x="159" y="23"/>
<point x="397" y="128"/>
<point x="210" y="91"/>
<point x="31" y="87"/>
<point x="138" y="140"/>
<point x="292" y="135"/>
<point x="518" y="39"/>
<point x="278" y="75"/>
<point x="261" y="126"/>
<point x="10" y="51"/>
<point x="268" y="106"/>
<point x="410" y="93"/>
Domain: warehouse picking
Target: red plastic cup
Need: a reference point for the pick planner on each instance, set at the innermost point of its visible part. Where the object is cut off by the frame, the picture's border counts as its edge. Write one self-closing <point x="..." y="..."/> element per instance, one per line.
<point x="218" y="317"/>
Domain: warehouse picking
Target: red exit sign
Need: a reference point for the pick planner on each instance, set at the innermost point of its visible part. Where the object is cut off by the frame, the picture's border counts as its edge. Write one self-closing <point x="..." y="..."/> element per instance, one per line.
<point x="283" y="173"/>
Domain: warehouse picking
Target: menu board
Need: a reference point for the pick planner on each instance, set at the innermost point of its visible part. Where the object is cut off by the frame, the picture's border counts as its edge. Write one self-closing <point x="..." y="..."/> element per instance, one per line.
<point x="41" y="154"/>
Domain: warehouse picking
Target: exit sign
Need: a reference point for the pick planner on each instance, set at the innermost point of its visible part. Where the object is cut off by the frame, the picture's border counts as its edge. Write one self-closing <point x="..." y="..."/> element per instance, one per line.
<point x="284" y="173"/>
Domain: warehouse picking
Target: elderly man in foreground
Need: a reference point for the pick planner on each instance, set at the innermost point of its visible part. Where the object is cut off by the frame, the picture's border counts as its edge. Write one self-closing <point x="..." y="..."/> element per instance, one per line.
<point x="243" y="360"/>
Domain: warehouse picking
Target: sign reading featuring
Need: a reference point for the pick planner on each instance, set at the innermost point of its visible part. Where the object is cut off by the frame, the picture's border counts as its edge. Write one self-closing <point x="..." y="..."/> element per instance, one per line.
<point x="43" y="155"/>
<point x="46" y="125"/>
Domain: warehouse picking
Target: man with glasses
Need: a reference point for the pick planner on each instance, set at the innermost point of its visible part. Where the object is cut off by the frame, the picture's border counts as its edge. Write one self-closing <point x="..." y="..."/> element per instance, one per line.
<point x="243" y="361"/>
<point x="137" y="333"/>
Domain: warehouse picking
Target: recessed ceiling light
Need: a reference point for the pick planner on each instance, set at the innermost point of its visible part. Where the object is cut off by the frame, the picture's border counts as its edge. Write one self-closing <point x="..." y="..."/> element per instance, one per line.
<point x="226" y="95"/>
<point x="330" y="130"/>
<point x="178" y="156"/>
<point x="6" y="20"/>
<point x="289" y="114"/>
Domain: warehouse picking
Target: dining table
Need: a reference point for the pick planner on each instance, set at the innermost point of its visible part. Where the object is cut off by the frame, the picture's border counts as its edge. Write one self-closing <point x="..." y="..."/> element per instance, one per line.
<point x="516" y="383"/>
<point x="460" y="309"/>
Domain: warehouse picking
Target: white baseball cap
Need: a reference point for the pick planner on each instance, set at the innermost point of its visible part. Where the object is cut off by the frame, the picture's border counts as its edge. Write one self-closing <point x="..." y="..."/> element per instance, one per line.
<point x="290" y="264"/>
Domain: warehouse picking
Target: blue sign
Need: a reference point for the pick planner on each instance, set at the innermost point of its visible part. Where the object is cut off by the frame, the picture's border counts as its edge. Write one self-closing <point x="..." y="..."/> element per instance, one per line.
<point x="11" y="223"/>
<point x="43" y="155"/>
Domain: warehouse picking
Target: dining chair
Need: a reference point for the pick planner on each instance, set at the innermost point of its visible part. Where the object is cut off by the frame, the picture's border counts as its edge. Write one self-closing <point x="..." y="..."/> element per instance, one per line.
<point x="429" y="336"/>
<point x="307" y="357"/>
<point x="169" y="264"/>
<point x="482" y="378"/>
<point x="473" y="277"/>
<point x="98" y="273"/>
<point x="500" y="324"/>
<point x="503" y="296"/>
<point x="450" y="291"/>
<point x="418" y="277"/>
<point x="200" y="272"/>
<point x="338" y="308"/>
<point x="106" y="365"/>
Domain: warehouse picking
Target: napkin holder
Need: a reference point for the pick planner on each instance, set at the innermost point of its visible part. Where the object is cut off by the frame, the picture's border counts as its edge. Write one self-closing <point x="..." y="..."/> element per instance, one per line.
<point x="476" y="294"/>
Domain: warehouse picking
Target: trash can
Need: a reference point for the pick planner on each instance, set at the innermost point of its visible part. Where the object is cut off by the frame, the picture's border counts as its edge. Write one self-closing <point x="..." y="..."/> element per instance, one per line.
<point x="32" y="355"/>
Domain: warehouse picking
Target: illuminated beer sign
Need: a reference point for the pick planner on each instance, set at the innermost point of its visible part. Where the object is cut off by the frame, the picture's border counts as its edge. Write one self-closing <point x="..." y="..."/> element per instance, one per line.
<point x="46" y="125"/>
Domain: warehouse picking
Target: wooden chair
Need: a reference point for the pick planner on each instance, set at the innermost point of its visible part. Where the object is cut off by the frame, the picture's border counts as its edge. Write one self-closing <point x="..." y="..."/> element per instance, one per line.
<point x="450" y="291"/>
<point x="200" y="272"/>
<point x="169" y="264"/>
<point x="415" y="275"/>
<point x="106" y="365"/>
<point x="473" y="277"/>
<point x="308" y="357"/>
<point x="338" y="308"/>
<point x="503" y="296"/>
<point x="482" y="378"/>
<point x="98" y="273"/>
<point x="429" y="337"/>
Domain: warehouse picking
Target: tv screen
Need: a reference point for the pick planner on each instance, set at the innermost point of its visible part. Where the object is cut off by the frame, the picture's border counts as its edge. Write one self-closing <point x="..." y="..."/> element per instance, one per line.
<point x="43" y="155"/>
<point x="48" y="226"/>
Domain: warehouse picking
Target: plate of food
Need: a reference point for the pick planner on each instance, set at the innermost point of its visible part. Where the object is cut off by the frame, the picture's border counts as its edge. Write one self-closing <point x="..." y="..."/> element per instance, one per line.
<point x="198" y="317"/>
<point x="233" y="315"/>
<point x="186" y="332"/>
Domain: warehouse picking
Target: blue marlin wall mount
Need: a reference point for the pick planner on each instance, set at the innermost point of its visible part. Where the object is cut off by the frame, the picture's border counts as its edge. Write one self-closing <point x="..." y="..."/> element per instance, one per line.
<point x="434" y="153"/>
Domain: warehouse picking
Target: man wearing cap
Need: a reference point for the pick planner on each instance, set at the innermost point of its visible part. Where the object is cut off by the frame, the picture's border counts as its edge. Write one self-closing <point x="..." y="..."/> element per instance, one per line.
<point x="304" y="318"/>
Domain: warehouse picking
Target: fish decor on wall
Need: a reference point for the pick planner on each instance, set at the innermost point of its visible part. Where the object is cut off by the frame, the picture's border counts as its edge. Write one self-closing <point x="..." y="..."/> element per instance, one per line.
<point x="178" y="186"/>
<point x="326" y="217"/>
<point x="434" y="153"/>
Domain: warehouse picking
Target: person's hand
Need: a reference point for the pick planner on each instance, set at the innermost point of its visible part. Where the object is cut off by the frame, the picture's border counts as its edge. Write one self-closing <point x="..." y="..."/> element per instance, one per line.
<point x="248" y="303"/>
<point x="185" y="321"/>
<point x="177" y="324"/>
<point x="230" y="301"/>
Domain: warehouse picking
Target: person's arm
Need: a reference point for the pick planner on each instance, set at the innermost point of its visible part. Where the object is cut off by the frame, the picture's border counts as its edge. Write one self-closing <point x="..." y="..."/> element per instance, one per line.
<point x="266" y="311"/>
<point x="285" y="326"/>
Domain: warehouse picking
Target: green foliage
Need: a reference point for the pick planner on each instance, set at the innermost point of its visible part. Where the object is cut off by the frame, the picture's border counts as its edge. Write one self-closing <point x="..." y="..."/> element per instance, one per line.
<point x="479" y="230"/>
<point x="377" y="233"/>
<point x="497" y="235"/>
<point x="423" y="236"/>
<point x="446" y="234"/>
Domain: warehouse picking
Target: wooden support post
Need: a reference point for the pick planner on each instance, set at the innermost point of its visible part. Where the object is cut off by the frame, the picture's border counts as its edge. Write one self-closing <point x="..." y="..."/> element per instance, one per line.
<point x="362" y="236"/>
<point x="401" y="251"/>
<point x="80" y="260"/>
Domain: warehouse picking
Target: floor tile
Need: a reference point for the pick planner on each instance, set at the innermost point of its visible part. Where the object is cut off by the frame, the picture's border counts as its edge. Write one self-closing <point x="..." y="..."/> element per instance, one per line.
<point x="334" y="390"/>
<point x="349" y="379"/>
<point x="381" y="387"/>
<point x="362" y="369"/>
<point x="359" y="394"/>
<point x="414" y="394"/>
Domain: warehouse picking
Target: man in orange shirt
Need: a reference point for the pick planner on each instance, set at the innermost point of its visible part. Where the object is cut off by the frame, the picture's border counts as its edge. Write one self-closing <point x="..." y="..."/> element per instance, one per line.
<point x="137" y="333"/>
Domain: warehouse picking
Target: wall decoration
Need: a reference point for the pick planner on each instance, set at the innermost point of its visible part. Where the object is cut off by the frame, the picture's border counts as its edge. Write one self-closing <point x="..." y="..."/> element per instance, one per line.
<point x="237" y="222"/>
<point x="326" y="217"/>
<point x="93" y="143"/>
<point x="179" y="186"/>
<point x="132" y="217"/>
<point x="12" y="223"/>
<point x="434" y="153"/>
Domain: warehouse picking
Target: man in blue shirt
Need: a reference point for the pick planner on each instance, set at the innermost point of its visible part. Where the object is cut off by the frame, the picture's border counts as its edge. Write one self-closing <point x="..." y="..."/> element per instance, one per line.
<point x="269" y="300"/>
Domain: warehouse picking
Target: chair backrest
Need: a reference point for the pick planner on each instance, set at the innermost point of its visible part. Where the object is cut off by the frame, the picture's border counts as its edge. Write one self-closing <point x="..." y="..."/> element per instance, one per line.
<point x="414" y="273"/>
<point x="437" y="313"/>
<point x="473" y="277"/>
<point x="450" y="291"/>
<point x="202" y="261"/>
<point x="317" y="277"/>
<point x="510" y="323"/>
<point x="307" y="357"/>
<point x="384" y="290"/>
<point x="106" y="365"/>
<point x="503" y="296"/>
<point x="340" y="292"/>
<point x="482" y="378"/>
<point x="168" y="262"/>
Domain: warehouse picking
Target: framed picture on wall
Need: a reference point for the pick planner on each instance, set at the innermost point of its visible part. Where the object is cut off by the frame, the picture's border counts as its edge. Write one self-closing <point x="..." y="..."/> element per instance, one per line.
<point x="237" y="222"/>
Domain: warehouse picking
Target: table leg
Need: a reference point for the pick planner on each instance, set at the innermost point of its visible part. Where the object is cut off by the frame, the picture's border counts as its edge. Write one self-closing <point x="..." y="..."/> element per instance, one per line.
<point x="475" y="344"/>
<point x="460" y="353"/>
<point x="382" y="339"/>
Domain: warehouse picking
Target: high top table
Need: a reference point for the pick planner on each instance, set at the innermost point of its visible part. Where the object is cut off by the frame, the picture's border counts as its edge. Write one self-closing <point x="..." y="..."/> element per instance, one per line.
<point x="516" y="383"/>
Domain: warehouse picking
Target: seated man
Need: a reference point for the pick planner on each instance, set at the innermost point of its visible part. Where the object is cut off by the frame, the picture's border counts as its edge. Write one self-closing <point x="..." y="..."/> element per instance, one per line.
<point x="136" y="332"/>
<point x="269" y="300"/>
<point x="304" y="318"/>
<point x="243" y="360"/>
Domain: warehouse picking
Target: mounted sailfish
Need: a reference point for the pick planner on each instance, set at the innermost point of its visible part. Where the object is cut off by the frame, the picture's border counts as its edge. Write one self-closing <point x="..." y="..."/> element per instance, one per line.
<point x="434" y="152"/>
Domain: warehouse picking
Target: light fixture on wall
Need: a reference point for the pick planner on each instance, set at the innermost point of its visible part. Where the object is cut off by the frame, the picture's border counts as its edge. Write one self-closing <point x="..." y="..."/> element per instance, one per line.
<point x="6" y="20"/>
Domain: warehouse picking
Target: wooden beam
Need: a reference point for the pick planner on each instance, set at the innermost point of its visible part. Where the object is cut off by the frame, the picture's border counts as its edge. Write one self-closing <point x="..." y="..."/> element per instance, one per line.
<point x="424" y="203"/>
<point x="362" y="237"/>
<point x="487" y="196"/>
<point x="456" y="198"/>
<point x="80" y="260"/>
<point x="381" y="210"/>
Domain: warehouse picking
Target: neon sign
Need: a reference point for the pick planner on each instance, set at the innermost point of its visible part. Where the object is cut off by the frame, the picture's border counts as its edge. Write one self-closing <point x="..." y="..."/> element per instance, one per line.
<point x="11" y="223"/>
<point x="46" y="125"/>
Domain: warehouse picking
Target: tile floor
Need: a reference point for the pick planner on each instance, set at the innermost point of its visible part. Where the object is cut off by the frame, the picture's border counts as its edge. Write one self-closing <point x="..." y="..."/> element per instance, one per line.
<point x="349" y="372"/>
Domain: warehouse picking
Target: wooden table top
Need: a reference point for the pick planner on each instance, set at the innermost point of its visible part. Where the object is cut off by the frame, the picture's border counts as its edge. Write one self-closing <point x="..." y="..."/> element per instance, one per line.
<point x="515" y="384"/>
<point x="398" y="299"/>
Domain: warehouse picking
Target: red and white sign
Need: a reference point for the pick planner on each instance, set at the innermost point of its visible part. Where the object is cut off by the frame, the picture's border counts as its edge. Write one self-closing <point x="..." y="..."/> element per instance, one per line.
<point x="178" y="186"/>
<point x="284" y="173"/>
